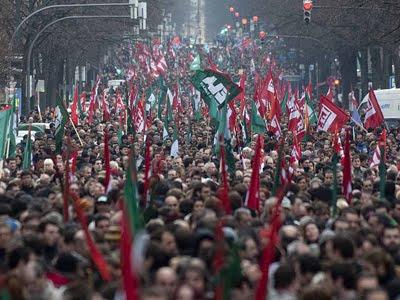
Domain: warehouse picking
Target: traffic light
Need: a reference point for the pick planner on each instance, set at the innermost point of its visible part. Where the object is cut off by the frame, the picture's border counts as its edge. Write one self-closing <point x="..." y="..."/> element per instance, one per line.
<point x="307" y="8"/>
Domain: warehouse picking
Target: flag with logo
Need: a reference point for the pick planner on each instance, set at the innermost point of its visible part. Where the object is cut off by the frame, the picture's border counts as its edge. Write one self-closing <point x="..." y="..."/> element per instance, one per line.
<point x="331" y="117"/>
<point x="5" y="115"/>
<point x="257" y="122"/>
<point x="373" y="114"/>
<point x="61" y="121"/>
<point x="196" y="63"/>
<point x="215" y="87"/>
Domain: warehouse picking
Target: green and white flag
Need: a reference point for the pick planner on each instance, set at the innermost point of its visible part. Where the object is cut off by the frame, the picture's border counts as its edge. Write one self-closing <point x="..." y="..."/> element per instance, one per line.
<point x="27" y="162"/>
<point x="257" y="122"/>
<point x="312" y="116"/>
<point x="62" y="119"/>
<point x="216" y="88"/>
<point x="175" y="144"/>
<point x="13" y="130"/>
<point x="196" y="63"/>
<point x="5" y="116"/>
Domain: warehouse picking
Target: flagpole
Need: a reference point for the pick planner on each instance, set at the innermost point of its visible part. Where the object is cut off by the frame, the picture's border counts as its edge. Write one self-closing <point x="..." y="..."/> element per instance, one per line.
<point x="76" y="131"/>
<point x="359" y="125"/>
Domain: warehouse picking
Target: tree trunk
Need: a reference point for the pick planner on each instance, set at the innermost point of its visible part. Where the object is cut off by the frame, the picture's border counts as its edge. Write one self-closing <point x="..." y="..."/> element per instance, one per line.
<point x="377" y="72"/>
<point x="387" y="67"/>
<point x="396" y="62"/>
<point x="348" y="70"/>
<point x="363" y="59"/>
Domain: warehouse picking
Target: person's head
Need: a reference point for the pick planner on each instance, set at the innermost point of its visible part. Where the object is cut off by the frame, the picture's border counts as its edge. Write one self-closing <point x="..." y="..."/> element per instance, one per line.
<point x="307" y="266"/>
<point x="12" y="164"/>
<point x="340" y="247"/>
<point x="242" y="217"/>
<point x="172" y="174"/>
<point x="50" y="233"/>
<point x="249" y="249"/>
<point x="18" y="260"/>
<point x="154" y="293"/>
<point x="328" y="177"/>
<point x="166" y="241"/>
<point x="356" y="161"/>
<point x="26" y="179"/>
<point x="48" y="165"/>
<point x="352" y="217"/>
<point x="98" y="165"/>
<point x="366" y="281"/>
<point x="195" y="277"/>
<point x="285" y="278"/>
<point x="311" y="232"/>
<point x="172" y="203"/>
<point x="166" y="279"/>
<point x="391" y="239"/>
<point x="343" y="276"/>
<point x="102" y="224"/>
<point x="341" y="225"/>
<point x="376" y="294"/>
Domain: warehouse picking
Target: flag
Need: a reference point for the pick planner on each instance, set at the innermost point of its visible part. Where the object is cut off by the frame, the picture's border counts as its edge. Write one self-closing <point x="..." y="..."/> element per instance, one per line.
<point x="107" y="179"/>
<point x="5" y="116"/>
<point x="373" y="114"/>
<point x="12" y="131"/>
<point x="347" y="169"/>
<point x="224" y="179"/>
<point x="268" y="253"/>
<point x="27" y="162"/>
<point x="331" y="116"/>
<point x="353" y="101"/>
<point x="310" y="111"/>
<point x="95" y="254"/>
<point x="129" y="279"/>
<point x="252" y="197"/>
<point x="131" y="195"/>
<point x="382" y="164"/>
<point x="175" y="143"/>
<point x="74" y="107"/>
<point x="62" y="120"/>
<point x="257" y="122"/>
<point x="334" y="162"/>
<point x="329" y="94"/>
<point x="196" y="63"/>
<point x="295" y="155"/>
<point x="215" y="87"/>
<point x="285" y="98"/>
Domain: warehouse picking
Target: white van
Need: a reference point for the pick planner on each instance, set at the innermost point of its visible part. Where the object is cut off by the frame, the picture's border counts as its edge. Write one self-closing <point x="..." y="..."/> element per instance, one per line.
<point x="389" y="100"/>
<point x="115" y="83"/>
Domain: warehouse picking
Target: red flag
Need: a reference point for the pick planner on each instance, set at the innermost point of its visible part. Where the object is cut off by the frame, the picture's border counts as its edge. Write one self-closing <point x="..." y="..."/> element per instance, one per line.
<point x="74" y="157"/>
<point x="223" y="193"/>
<point x="252" y="198"/>
<point x="83" y="101"/>
<point x="373" y="114"/>
<point x="129" y="279"/>
<point x="329" y="94"/>
<point x="219" y="258"/>
<point x="347" y="169"/>
<point x="269" y="251"/>
<point x="93" y="96"/>
<point x="107" y="179"/>
<point x="96" y="255"/>
<point x="295" y="155"/>
<point x="74" y="107"/>
<point x="331" y="116"/>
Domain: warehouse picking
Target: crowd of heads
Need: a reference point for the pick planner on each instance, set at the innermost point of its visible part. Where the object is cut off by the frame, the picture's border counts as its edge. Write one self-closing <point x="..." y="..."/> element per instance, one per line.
<point x="325" y="250"/>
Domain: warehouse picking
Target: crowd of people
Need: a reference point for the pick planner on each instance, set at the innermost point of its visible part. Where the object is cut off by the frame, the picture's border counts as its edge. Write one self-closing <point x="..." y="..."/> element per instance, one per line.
<point x="325" y="249"/>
